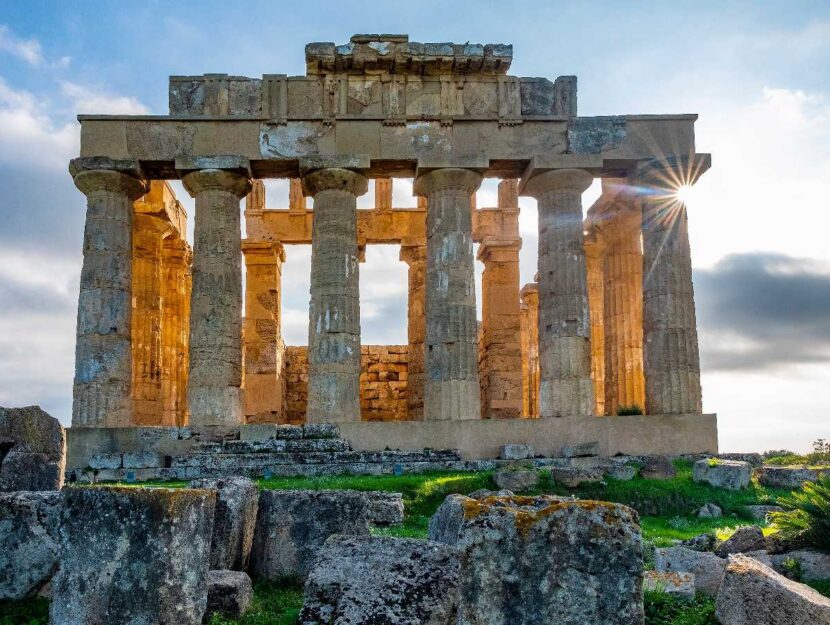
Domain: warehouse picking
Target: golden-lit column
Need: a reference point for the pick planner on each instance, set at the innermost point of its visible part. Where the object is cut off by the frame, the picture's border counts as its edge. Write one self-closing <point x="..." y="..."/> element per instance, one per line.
<point x="594" y="265"/>
<point x="262" y="334"/>
<point x="530" y="357"/>
<point x="414" y="255"/>
<point x="147" y="280"/>
<point x="175" y="329"/>
<point x="383" y="194"/>
<point x="623" y="266"/>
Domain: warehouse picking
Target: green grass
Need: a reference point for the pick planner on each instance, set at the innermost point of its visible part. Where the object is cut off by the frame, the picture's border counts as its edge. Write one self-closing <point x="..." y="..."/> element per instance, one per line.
<point x="663" y="609"/>
<point x="274" y="603"/>
<point x="26" y="612"/>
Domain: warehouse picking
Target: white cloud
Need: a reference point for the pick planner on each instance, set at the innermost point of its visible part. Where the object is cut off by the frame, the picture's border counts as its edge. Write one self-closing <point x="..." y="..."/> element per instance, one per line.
<point x="86" y="100"/>
<point x="28" y="50"/>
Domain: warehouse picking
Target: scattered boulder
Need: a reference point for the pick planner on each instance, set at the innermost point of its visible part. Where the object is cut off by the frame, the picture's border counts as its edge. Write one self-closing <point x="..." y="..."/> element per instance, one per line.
<point x="745" y="539"/>
<point x="575" y="476"/>
<point x="516" y="451"/>
<point x="787" y="477"/>
<point x="369" y="580"/>
<point x="32" y="450"/>
<point x="29" y="524"/>
<point x="133" y="555"/>
<point x="707" y="568"/>
<point x="385" y="508"/>
<point x="229" y="593"/>
<point x="701" y="542"/>
<point x="761" y="512"/>
<point x="730" y="474"/>
<point x="581" y="450"/>
<point x="292" y="526"/>
<point x="676" y="584"/>
<point x="234" y="521"/>
<point x="587" y="555"/>
<point x="622" y="472"/>
<point x="658" y="468"/>
<point x="709" y="511"/>
<point x="754" y="594"/>
<point x="755" y="460"/>
<point x="516" y="480"/>
<point x="812" y="564"/>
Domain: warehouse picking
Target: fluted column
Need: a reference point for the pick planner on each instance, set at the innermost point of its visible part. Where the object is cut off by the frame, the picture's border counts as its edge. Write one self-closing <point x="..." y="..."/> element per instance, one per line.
<point x="214" y="394"/>
<point x="147" y="281"/>
<point x="175" y="329"/>
<point x="415" y="256"/>
<point x="103" y="355"/>
<point x="263" y="344"/>
<point x="530" y="349"/>
<point x="566" y="388"/>
<point x="623" y="309"/>
<point x="334" y="312"/>
<point x="594" y="252"/>
<point x="451" y="387"/>
<point x="670" y="348"/>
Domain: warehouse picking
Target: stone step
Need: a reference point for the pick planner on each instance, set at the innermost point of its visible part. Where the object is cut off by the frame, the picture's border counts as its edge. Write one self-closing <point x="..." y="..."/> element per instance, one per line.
<point x="279" y="445"/>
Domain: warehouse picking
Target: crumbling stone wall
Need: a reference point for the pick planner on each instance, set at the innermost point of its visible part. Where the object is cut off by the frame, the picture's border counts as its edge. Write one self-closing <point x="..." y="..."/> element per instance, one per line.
<point x="383" y="382"/>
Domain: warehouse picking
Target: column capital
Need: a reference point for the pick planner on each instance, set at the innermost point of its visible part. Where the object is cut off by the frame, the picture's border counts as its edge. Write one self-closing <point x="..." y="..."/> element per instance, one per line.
<point x="667" y="174"/>
<point x="98" y="173"/>
<point x="499" y="249"/>
<point x="575" y="180"/>
<point x="413" y="253"/>
<point x="216" y="180"/>
<point x="447" y="178"/>
<point x="263" y="252"/>
<point x="335" y="179"/>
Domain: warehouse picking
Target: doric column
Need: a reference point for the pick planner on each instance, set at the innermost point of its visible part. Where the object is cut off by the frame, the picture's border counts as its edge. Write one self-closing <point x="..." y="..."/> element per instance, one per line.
<point x="263" y="344"/>
<point x="530" y="349"/>
<point x="103" y="355"/>
<point x="623" y="307"/>
<point x="670" y="349"/>
<point x="566" y="388"/>
<point x="214" y="394"/>
<point x="334" y="312"/>
<point x="383" y="194"/>
<point x="501" y="329"/>
<point x="147" y="281"/>
<point x="451" y="387"/>
<point x="594" y="249"/>
<point x="175" y="329"/>
<point x="414" y="255"/>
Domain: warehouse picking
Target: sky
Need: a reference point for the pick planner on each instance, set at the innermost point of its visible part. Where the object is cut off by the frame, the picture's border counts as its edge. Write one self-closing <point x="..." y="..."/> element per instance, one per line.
<point x="755" y="72"/>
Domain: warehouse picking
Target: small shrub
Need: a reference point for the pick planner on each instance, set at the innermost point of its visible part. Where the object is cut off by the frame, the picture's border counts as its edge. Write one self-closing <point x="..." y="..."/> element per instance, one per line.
<point x="792" y="569"/>
<point x="713" y="462"/>
<point x="626" y="411"/>
<point x="807" y="514"/>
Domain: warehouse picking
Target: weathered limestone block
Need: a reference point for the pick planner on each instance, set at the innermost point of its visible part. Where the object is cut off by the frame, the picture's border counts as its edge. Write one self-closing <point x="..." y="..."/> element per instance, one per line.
<point x="32" y="450"/>
<point x="29" y="525"/>
<point x="788" y="477"/>
<point x="234" y="520"/>
<point x="730" y="474"/>
<point x="334" y="311"/>
<point x="368" y="580"/>
<point x="451" y="387"/>
<point x="658" y="468"/>
<point x="707" y="568"/>
<point x="534" y="561"/>
<point x="566" y="388"/>
<point x="106" y="461"/>
<point x="574" y="476"/>
<point x="581" y="450"/>
<point x="293" y="525"/>
<point x="214" y="396"/>
<point x="754" y="594"/>
<point x="141" y="460"/>
<point x="133" y="555"/>
<point x="385" y="508"/>
<point x="812" y="564"/>
<point x="761" y="512"/>
<point x="755" y="460"/>
<point x="709" y="511"/>
<point x="676" y="584"/>
<point x="745" y="539"/>
<point x="515" y="451"/>
<point x="229" y="593"/>
<point x="516" y="480"/>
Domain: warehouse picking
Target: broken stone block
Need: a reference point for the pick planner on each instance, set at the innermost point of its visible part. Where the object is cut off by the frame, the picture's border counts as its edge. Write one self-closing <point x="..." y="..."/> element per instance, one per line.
<point x="105" y="461"/>
<point x="788" y="477"/>
<point x="237" y="499"/>
<point x="745" y="539"/>
<point x="292" y="526"/>
<point x="587" y="555"/>
<point x="676" y="584"/>
<point x="709" y="511"/>
<point x="516" y="480"/>
<point x="29" y="524"/>
<point x="516" y="452"/>
<point x="812" y="564"/>
<point x="32" y="450"/>
<point x="622" y="472"/>
<point x="385" y="508"/>
<point x="581" y="450"/>
<point x="730" y="474"/>
<point x="657" y="468"/>
<point x="707" y="568"/>
<point x="366" y="580"/>
<point x="133" y="555"/>
<point x="754" y="594"/>
<point x="574" y="476"/>
<point x="761" y="512"/>
<point x="142" y="460"/>
<point x="755" y="460"/>
<point x="229" y="594"/>
<point x="701" y="542"/>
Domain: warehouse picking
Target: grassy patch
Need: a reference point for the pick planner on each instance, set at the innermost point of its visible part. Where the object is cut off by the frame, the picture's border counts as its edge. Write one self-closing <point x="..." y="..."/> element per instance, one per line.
<point x="274" y="603"/>
<point x="663" y="609"/>
<point x="25" y="612"/>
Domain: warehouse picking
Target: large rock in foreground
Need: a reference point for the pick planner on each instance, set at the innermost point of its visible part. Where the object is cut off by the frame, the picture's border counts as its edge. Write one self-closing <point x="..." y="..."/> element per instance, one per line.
<point x="539" y="560"/>
<point x="374" y="580"/>
<point x="730" y="474"/>
<point x="754" y="594"/>
<point x="707" y="568"/>
<point x="134" y="556"/>
<point x="29" y="524"/>
<point x="292" y="526"/>
<point x="234" y="520"/>
<point x="32" y="450"/>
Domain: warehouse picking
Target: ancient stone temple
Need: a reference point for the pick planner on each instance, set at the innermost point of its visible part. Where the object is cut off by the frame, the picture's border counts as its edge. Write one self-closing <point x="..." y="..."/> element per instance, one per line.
<point x="167" y="338"/>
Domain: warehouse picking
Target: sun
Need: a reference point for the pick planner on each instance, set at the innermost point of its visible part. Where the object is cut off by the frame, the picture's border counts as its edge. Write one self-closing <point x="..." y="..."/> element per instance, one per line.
<point x="684" y="193"/>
